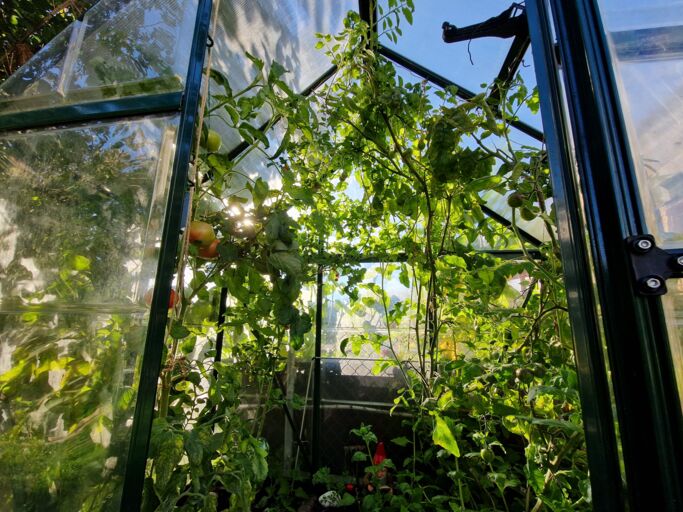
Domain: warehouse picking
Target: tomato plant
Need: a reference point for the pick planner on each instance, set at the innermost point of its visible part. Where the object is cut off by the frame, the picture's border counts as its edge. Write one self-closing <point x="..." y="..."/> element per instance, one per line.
<point x="374" y="163"/>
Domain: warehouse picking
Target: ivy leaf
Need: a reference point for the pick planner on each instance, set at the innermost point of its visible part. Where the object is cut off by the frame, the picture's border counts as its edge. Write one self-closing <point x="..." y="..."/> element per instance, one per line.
<point x="444" y="437"/>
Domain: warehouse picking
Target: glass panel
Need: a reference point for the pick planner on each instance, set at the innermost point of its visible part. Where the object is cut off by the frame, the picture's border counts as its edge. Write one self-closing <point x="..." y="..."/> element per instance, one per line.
<point x="646" y="44"/>
<point x="81" y="213"/>
<point x="646" y="41"/>
<point x="272" y="30"/>
<point x="467" y="63"/>
<point x="40" y="76"/>
<point x="366" y="318"/>
<point x="122" y="48"/>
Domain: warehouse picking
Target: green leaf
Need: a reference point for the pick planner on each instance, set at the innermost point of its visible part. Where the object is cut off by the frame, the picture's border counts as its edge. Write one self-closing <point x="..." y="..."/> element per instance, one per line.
<point x="178" y="331"/>
<point x="359" y="457"/>
<point x="210" y="502"/>
<point x="347" y="500"/>
<point x="285" y="313"/>
<point x="444" y="437"/>
<point x="221" y="80"/>
<point x="260" y="191"/>
<point x="344" y="343"/>
<point x="401" y="441"/>
<point x="228" y="251"/>
<point x="193" y="447"/>
<point x="80" y="263"/>
<point x="170" y="452"/>
<point x="301" y="325"/>
<point x="276" y="71"/>
<point x="287" y="262"/>
<point x="150" y="500"/>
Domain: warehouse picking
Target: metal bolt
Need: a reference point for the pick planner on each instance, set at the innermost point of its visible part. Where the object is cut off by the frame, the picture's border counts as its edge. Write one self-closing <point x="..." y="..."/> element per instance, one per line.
<point x="653" y="283"/>
<point x="644" y="244"/>
<point x="679" y="260"/>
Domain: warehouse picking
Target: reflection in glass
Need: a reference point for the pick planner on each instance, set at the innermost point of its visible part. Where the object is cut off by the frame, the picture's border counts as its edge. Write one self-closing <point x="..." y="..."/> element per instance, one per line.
<point x="646" y="44"/>
<point x="81" y="212"/>
<point x="121" y="48"/>
<point x="273" y="31"/>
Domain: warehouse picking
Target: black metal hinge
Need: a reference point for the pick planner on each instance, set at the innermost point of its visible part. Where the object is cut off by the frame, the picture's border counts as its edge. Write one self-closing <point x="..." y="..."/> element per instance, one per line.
<point x="652" y="266"/>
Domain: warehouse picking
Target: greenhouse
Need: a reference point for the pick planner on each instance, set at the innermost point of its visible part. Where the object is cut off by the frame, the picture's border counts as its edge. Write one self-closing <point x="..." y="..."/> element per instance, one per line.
<point x="362" y="255"/>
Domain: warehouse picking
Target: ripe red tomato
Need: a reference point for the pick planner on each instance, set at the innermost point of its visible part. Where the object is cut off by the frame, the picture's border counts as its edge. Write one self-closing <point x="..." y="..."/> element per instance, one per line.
<point x="209" y="252"/>
<point x="201" y="233"/>
<point x="173" y="299"/>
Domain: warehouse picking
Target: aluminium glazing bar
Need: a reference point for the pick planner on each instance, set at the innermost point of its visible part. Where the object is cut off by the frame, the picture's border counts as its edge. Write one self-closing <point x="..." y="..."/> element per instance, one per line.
<point x="647" y="402"/>
<point x="156" y="332"/>
<point x="603" y="458"/>
<point x="93" y="111"/>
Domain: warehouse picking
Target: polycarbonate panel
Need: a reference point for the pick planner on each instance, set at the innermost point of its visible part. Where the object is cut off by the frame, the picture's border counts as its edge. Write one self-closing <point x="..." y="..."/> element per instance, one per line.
<point x="467" y="63"/>
<point x="121" y="48"/>
<point x="283" y="31"/>
<point x="81" y="214"/>
<point x="646" y="46"/>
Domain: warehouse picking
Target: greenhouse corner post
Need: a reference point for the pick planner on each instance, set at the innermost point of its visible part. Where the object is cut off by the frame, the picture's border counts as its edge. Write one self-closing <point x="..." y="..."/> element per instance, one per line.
<point x="647" y="402"/>
<point x="315" y="437"/>
<point x="601" y="442"/>
<point x="156" y="332"/>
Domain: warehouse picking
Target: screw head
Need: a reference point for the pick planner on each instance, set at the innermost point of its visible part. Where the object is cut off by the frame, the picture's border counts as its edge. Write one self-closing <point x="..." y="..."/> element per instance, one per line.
<point x="653" y="283"/>
<point x="644" y="244"/>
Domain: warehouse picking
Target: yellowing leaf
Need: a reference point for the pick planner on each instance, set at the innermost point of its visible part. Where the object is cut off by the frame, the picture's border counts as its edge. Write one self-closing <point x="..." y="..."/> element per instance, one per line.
<point x="443" y="436"/>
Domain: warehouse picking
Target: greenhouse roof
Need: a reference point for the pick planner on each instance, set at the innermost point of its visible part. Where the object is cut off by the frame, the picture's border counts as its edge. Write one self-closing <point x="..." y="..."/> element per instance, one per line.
<point x="130" y="50"/>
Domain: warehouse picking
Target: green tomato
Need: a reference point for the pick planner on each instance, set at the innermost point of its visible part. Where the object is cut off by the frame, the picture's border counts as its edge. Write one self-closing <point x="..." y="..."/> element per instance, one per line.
<point x="212" y="142"/>
<point x="515" y="200"/>
<point x="487" y="455"/>
<point x="527" y="214"/>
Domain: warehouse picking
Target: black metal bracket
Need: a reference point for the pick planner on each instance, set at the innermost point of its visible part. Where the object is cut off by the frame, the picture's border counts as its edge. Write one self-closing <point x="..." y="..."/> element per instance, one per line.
<point x="652" y="266"/>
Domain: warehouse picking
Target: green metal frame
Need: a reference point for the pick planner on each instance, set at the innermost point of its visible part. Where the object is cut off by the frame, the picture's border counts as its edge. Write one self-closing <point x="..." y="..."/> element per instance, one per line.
<point x="156" y="331"/>
<point x="603" y="457"/>
<point x="94" y="111"/>
<point x="647" y="402"/>
<point x="186" y="103"/>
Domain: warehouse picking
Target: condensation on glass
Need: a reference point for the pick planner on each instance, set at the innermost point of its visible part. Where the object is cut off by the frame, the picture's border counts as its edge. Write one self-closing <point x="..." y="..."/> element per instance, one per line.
<point x="81" y="216"/>
<point x="121" y="48"/>
<point x="646" y="45"/>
